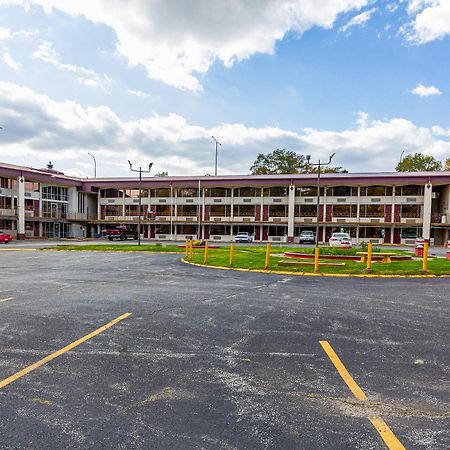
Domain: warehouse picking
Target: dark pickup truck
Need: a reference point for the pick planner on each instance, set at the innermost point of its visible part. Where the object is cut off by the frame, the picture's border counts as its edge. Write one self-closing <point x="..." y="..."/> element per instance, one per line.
<point x="121" y="233"/>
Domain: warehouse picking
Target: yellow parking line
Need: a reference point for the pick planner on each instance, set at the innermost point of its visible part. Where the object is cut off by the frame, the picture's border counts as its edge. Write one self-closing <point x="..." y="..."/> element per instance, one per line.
<point x="6" y="299"/>
<point x="380" y="425"/>
<point x="61" y="351"/>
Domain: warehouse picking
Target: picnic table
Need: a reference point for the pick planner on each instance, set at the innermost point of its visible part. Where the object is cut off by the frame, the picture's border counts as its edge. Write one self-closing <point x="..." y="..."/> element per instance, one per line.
<point x="386" y="257"/>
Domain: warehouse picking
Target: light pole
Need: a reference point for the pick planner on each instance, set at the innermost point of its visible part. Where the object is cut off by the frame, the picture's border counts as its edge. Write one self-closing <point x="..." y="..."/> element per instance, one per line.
<point x="401" y="156"/>
<point x="318" y="165"/>
<point x="217" y="143"/>
<point x="95" y="164"/>
<point x="140" y="201"/>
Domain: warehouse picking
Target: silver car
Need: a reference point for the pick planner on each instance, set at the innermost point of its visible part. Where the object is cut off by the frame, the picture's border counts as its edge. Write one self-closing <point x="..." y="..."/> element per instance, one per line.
<point x="243" y="237"/>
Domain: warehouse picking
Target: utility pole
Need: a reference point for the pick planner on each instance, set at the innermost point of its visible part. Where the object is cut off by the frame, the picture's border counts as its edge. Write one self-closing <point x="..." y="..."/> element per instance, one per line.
<point x="217" y="143"/>
<point x="140" y="197"/>
<point x="318" y="165"/>
<point x="95" y="164"/>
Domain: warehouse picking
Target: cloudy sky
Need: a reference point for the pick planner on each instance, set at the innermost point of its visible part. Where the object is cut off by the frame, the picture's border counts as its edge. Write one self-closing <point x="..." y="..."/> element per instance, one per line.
<point x="152" y="80"/>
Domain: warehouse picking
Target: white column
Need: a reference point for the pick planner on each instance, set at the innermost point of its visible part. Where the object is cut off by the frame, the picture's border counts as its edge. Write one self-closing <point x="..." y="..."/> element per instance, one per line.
<point x="73" y="200"/>
<point x="291" y="213"/>
<point x="427" y="210"/>
<point x="20" y="208"/>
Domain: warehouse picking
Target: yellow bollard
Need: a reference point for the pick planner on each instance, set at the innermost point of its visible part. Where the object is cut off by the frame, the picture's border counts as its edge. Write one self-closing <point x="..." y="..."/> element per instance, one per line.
<point x="191" y="250"/>
<point x="187" y="248"/>
<point x="316" y="259"/>
<point x="425" y="257"/>
<point x="231" y="254"/>
<point x="205" y="259"/>
<point x="266" y="264"/>
<point x="369" y="257"/>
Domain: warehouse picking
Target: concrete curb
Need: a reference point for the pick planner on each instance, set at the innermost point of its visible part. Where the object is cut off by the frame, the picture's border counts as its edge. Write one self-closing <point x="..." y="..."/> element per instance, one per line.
<point x="311" y="274"/>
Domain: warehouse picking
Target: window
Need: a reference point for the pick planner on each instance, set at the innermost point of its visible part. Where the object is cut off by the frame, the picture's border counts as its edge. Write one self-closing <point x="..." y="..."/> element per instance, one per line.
<point x="220" y="230"/>
<point x="279" y="230"/>
<point x="187" y="192"/>
<point x="55" y="210"/>
<point x="306" y="211"/>
<point x="371" y="232"/>
<point x="218" y="192"/>
<point x="410" y="233"/>
<point x="276" y="191"/>
<point x="371" y="211"/>
<point x="31" y="186"/>
<point x="111" y="193"/>
<point x="162" y="192"/>
<point x="113" y="210"/>
<point x="278" y="211"/>
<point x="247" y="192"/>
<point x="186" y="229"/>
<point x="244" y="210"/>
<point x="376" y="191"/>
<point x="308" y="191"/>
<point x="344" y="211"/>
<point x="411" y="190"/>
<point x="187" y="210"/>
<point x="410" y="211"/>
<point x="4" y="183"/>
<point x="220" y="210"/>
<point x="55" y="193"/>
<point x="344" y="191"/>
<point x="161" y="210"/>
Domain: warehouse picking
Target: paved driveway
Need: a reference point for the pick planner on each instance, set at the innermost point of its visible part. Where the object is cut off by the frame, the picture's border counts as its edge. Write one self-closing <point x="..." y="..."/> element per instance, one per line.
<point x="216" y="359"/>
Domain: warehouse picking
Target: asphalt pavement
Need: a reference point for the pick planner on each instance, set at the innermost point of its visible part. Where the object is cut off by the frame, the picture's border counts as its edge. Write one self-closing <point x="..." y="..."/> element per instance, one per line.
<point x="215" y="359"/>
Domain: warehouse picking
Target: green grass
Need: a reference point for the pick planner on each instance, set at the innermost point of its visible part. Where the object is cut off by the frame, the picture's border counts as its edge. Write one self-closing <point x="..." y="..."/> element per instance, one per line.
<point x="254" y="257"/>
<point x="154" y="248"/>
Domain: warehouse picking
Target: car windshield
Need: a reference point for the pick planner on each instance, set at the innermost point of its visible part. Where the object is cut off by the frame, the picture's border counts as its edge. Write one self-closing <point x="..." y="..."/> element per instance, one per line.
<point x="340" y="235"/>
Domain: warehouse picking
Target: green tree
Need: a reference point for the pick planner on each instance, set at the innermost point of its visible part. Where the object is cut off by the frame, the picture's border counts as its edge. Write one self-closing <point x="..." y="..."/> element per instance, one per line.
<point x="280" y="161"/>
<point x="161" y="174"/>
<point x="418" y="163"/>
<point x="447" y="164"/>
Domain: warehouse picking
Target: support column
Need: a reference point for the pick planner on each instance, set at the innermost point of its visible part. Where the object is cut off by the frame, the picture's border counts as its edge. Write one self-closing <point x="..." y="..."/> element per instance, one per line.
<point x="20" y="208"/>
<point x="291" y="213"/>
<point x="427" y="210"/>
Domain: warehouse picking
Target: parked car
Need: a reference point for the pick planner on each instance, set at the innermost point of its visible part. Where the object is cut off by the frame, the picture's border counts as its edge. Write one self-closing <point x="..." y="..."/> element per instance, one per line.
<point x="5" y="238"/>
<point x="340" y="240"/>
<point x="122" y="233"/>
<point x="307" y="237"/>
<point x="243" y="237"/>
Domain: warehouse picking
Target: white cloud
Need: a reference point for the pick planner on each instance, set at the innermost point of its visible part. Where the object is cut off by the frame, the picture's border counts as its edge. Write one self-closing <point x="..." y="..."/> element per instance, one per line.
<point x="9" y="61"/>
<point x="5" y="33"/>
<point x="38" y="129"/>
<point x="359" y="20"/>
<point x="425" y="91"/>
<point x="432" y="20"/>
<point x="138" y="93"/>
<point x="206" y="31"/>
<point x="48" y="54"/>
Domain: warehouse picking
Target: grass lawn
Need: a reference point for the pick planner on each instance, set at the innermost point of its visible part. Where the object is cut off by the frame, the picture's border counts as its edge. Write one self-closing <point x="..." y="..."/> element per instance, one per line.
<point x="154" y="248"/>
<point x="254" y="257"/>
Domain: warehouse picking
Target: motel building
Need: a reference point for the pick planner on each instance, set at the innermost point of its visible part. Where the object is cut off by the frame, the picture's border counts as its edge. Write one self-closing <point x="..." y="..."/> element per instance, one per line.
<point x="377" y="207"/>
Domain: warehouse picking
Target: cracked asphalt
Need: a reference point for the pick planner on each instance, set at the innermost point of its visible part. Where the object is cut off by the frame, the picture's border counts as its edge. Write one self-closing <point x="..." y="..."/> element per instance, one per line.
<point x="213" y="359"/>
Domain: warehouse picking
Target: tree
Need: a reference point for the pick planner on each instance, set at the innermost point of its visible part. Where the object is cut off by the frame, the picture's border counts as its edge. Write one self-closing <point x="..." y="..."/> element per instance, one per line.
<point x="161" y="174"/>
<point x="286" y="162"/>
<point x="418" y="163"/>
<point x="447" y="164"/>
<point x="280" y="161"/>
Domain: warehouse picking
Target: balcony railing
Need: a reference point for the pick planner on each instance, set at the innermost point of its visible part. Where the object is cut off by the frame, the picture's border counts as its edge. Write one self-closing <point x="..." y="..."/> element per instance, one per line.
<point x="8" y="212"/>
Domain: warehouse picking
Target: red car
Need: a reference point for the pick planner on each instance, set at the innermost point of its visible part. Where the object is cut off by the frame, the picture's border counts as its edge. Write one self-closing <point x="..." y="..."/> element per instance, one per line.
<point x="5" y="238"/>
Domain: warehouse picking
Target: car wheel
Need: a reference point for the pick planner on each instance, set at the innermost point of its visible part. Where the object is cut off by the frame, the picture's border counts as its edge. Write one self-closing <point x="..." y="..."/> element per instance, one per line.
<point x="122" y="237"/>
<point x="110" y="239"/>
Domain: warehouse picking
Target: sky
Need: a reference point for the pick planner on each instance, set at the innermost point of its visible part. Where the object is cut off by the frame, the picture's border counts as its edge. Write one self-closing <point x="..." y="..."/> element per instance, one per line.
<point x="154" y="80"/>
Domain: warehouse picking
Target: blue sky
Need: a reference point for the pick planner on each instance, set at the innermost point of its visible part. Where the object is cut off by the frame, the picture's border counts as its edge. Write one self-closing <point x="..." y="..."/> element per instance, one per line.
<point x="153" y="80"/>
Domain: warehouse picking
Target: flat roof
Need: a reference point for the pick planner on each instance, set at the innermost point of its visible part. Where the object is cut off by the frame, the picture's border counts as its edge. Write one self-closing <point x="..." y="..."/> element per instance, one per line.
<point x="89" y="184"/>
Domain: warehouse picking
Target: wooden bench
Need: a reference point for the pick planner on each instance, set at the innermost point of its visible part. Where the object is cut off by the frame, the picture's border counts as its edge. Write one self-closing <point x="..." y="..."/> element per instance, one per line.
<point x="310" y="263"/>
<point x="386" y="257"/>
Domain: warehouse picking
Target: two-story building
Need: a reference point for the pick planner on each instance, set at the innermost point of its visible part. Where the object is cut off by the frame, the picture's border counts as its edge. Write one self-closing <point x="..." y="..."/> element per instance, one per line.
<point x="376" y="207"/>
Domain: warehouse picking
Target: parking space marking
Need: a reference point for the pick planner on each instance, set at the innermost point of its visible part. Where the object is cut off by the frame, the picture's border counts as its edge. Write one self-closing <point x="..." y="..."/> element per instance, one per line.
<point x="60" y="352"/>
<point x="7" y="299"/>
<point x="380" y="425"/>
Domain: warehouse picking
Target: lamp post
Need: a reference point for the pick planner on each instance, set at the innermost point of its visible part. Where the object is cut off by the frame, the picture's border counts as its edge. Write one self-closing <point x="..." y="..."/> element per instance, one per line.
<point x="318" y="165"/>
<point x="95" y="164"/>
<point x="139" y="196"/>
<point x="217" y="143"/>
<point x="401" y="155"/>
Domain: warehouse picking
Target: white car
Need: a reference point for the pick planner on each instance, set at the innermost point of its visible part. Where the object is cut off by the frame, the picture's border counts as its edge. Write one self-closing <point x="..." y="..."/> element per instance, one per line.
<point x="243" y="237"/>
<point x="340" y="240"/>
<point x="307" y="237"/>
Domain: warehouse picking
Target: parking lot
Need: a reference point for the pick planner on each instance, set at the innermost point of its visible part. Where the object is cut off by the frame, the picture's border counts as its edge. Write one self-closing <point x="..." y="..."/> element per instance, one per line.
<point x="216" y="359"/>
